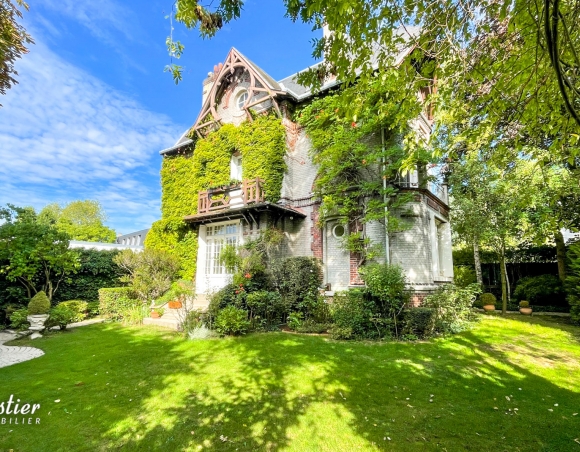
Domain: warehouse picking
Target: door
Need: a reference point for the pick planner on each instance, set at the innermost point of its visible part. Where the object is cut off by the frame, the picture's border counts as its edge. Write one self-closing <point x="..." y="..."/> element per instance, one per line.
<point x="336" y="259"/>
<point x="211" y="274"/>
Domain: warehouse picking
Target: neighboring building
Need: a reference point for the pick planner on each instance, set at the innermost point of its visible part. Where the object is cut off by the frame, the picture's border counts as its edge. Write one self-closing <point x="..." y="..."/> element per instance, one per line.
<point x="134" y="239"/>
<point x="423" y="250"/>
<point x="100" y="246"/>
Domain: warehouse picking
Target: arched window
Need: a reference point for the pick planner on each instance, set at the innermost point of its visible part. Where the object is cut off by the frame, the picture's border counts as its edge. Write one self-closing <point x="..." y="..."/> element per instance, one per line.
<point x="241" y="100"/>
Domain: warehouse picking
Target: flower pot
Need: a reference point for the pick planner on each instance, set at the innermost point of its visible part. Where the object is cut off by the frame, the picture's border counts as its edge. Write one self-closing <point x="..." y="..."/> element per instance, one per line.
<point x="175" y="305"/>
<point x="526" y="311"/>
<point x="155" y="315"/>
<point x="489" y="307"/>
<point x="37" y="321"/>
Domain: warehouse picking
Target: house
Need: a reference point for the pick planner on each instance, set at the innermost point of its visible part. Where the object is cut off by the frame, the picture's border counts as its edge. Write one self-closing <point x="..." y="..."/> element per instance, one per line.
<point x="234" y="93"/>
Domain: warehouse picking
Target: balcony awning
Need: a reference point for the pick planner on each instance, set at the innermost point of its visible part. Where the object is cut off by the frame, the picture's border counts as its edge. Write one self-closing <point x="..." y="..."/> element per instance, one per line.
<point x="243" y="211"/>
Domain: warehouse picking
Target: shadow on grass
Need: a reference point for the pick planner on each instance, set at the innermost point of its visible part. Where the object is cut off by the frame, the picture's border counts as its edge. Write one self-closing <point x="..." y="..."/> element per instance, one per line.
<point x="153" y="391"/>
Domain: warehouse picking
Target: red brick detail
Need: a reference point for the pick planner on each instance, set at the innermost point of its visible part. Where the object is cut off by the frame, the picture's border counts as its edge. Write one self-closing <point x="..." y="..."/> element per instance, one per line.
<point x="316" y="242"/>
<point x="355" y="279"/>
<point x="417" y="299"/>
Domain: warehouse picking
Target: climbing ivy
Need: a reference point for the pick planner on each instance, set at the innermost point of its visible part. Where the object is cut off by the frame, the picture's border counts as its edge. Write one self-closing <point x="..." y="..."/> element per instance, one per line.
<point x="356" y="166"/>
<point x="262" y="145"/>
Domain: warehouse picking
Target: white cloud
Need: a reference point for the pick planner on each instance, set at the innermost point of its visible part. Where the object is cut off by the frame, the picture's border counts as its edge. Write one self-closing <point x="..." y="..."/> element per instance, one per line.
<point x="66" y="135"/>
<point x="103" y="18"/>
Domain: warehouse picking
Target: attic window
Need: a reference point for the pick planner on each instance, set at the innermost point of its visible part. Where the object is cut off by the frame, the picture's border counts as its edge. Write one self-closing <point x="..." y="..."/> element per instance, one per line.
<point x="242" y="98"/>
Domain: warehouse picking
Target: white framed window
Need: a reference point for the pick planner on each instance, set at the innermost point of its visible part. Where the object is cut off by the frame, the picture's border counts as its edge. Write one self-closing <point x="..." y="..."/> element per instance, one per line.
<point x="241" y="99"/>
<point x="338" y="231"/>
<point x="217" y="237"/>
<point x="236" y="167"/>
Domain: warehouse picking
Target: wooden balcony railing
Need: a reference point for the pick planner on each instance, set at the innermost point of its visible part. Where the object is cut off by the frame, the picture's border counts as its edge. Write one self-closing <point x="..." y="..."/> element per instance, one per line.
<point x="248" y="192"/>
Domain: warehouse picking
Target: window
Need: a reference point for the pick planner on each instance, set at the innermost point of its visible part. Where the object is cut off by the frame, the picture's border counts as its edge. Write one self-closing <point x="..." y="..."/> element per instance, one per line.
<point x="242" y="98"/>
<point x="217" y="237"/>
<point x="236" y="166"/>
<point x="338" y="231"/>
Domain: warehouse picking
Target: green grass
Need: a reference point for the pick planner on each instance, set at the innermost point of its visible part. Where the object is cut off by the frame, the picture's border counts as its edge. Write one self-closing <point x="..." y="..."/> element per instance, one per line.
<point x="144" y="389"/>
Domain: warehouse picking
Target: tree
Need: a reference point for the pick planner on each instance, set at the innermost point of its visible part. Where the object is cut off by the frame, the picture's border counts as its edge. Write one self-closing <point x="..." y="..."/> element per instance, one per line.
<point x="13" y="41"/>
<point x="517" y="60"/>
<point x="36" y="255"/>
<point x="490" y="207"/>
<point x="81" y="220"/>
<point x="149" y="272"/>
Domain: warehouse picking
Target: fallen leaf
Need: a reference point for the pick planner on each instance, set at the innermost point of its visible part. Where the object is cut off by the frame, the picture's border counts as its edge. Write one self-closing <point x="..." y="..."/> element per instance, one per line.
<point x="57" y="400"/>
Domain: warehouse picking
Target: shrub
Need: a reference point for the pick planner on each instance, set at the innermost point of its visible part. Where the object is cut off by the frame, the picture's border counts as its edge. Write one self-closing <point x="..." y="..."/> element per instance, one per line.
<point x="351" y="315"/>
<point x="61" y="315"/>
<point x="18" y="319"/>
<point x="265" y="308"/>
<point x="573" y="282"/>
<point x="464" y="276"/>
<point x="298" y="279"/>
<point x="78" y="307"/>
<point x="232" y="321"/>
<point x="39" y="304"/>
<point x="115" y="302"/>
<point x="387" y="285"/>
<point x="180" y="290"/>
<point x="97" y="270"/>
<point x="310" y="326"/>
<point x="93" y="309"/>
<point x="540" y="290"/>
<point x="487" y="299"/>
<point x="419" y="322"/>
<point x="295" y="320"/>
<point x="134" y="315"/>
<point x="150" y="272"/>
<point x="524" y="304"/>
<point x="453" y="307"/>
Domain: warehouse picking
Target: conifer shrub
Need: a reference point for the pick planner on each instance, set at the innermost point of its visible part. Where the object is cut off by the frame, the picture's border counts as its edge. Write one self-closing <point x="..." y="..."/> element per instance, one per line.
<point x="524" y="304"/>
<point x="39" y="304"/>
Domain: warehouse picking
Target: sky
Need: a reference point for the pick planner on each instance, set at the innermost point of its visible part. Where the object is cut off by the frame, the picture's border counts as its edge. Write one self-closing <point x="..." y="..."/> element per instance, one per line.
<point x="94" y="107"/>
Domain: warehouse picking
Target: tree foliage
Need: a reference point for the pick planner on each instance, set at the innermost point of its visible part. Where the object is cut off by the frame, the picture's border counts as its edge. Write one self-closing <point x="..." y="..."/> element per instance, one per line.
<point x="149" y="273"/>
<point x="13" y="41"/>
<point x="35" y="254"/>
<point x="81" y="220"/>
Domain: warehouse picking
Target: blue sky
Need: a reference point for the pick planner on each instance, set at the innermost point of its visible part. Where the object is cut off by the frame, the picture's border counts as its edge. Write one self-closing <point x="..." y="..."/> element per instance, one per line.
<point x="94" y="107"/>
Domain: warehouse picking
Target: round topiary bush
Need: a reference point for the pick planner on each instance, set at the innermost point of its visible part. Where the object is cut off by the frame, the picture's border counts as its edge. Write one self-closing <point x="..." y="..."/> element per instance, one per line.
<point x="487" y="299"/>
<point x="524" y="304"/>
<point x="39" y="304"/>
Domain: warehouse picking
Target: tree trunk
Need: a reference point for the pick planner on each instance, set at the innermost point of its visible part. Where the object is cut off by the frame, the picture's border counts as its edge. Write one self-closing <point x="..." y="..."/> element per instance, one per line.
<point x="477" y="262"/>
<point x="560" y="255"/>
<point x="503" y="274"/>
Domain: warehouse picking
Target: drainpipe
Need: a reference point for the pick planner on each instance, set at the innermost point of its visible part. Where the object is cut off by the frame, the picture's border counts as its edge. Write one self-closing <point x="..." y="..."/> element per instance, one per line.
<point x="387" y="245"/>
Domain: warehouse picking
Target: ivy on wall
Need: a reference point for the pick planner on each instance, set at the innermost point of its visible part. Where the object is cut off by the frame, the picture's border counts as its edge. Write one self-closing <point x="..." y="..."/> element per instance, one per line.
<point x="262" y="145"/>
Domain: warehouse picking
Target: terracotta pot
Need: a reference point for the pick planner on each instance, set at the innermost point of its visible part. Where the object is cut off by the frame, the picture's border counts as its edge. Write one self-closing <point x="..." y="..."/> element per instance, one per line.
<point x="155" y="315"/>
<point x="175" y="305"/>
<point x="526" y="311"/>
<point x="489" y="307"/>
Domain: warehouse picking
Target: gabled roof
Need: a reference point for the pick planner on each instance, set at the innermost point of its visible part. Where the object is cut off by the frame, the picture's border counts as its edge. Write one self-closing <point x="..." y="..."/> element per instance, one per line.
<point x="260" y="82"/>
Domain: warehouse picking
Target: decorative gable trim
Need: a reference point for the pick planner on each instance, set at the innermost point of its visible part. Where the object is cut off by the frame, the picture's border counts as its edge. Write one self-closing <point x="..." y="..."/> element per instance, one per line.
<point x="260" y="82"/>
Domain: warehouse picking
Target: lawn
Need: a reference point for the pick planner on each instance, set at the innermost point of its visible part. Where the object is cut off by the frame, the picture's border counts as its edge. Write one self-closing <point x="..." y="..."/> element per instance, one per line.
<point x="510" y="384"/>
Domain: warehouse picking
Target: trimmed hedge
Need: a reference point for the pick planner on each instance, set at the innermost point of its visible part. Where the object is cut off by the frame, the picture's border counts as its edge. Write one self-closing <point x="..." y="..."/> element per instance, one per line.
<point x="115" y="302"/>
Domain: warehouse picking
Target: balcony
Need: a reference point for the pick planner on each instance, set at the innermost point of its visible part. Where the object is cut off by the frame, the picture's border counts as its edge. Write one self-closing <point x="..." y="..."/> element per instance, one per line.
<point x="238" y="201"/>
<point x="248" y="192"/>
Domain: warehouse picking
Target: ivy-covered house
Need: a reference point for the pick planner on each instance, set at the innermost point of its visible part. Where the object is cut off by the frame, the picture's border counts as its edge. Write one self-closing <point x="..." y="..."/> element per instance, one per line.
<point x="255" y="158"/>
